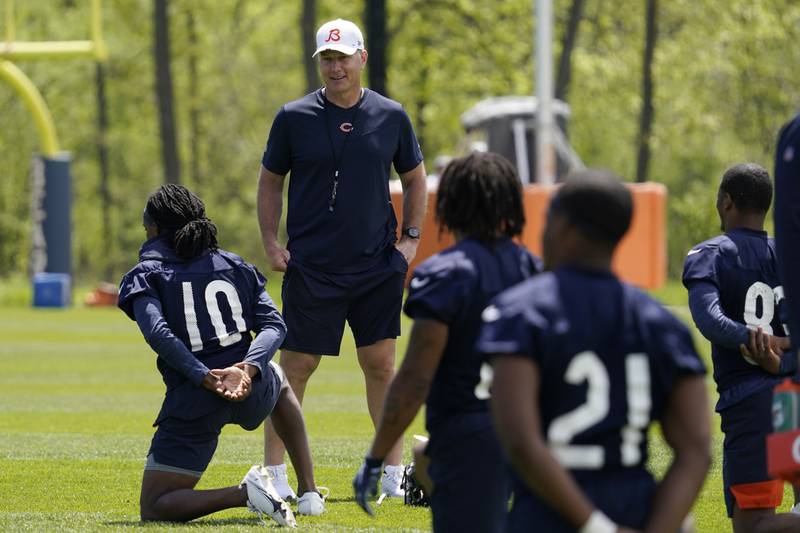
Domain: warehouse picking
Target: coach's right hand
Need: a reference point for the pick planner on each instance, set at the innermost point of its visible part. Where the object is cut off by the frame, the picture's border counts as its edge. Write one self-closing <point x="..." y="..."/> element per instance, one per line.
<point x="278" y="257"/>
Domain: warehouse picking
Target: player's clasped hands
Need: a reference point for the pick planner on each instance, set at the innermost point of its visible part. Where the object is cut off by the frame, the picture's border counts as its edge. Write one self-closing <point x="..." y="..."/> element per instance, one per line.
<point x="232" y="383"/>
<point x="765" y="349"/>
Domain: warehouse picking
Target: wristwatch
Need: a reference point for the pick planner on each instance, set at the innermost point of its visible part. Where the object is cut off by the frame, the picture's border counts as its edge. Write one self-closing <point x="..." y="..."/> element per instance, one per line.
<point x="412" y="232"/>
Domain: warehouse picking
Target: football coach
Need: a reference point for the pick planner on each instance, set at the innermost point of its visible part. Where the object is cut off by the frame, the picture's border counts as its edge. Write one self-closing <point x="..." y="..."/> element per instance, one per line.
<point x="343" y="262"/>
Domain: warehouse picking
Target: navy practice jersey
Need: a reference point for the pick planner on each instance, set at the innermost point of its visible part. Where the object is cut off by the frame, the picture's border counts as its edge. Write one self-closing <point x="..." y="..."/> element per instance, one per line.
<point x="453" y="287"/>
<point x="608" y="357"/>
<point x="787" y="220"/>
<point x="211" y="303"/>
<point x="741" y="264"/>
<point x="311" y="138"/>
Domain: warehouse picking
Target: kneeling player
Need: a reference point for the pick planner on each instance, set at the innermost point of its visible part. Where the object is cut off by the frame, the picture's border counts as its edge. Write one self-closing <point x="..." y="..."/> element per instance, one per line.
<point x="733" y="285"/>
<point x="480" y="202"/>
<point x="583" y="363"/>
<point x="196" y="306"/>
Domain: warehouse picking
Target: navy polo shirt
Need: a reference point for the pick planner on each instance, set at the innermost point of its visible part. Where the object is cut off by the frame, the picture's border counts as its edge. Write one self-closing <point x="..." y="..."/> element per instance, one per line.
<point x="311" y="138"/>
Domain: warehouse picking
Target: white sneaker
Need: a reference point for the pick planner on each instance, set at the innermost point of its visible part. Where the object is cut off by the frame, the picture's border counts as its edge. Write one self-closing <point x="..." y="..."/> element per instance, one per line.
<point x="312" y="503"/>
<point x="796" y="509"/>
<point x="262" y="498"/>
<point x="392" y="481"/>
<point x="280" y="480"/>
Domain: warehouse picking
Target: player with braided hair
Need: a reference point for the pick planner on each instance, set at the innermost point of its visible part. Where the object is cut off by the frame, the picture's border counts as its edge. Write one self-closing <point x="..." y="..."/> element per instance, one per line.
<point x="480" y="202"/>
<point x="181" y="216"/>
<point x="196" y="306"/>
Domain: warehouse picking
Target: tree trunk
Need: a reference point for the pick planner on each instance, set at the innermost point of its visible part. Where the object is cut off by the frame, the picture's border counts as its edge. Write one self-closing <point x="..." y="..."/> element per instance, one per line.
<point x="377" y="39"/>
<point x="194" y="99"/>
<point x="648" y="112"/>
<point x="567" y="46"/>
<point x="308" y="25"/>
<point x="166" y="113"/>
<point x="103" y="189"/>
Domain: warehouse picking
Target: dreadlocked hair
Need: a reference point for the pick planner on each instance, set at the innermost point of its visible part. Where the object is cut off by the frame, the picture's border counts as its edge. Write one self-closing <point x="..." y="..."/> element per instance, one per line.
<point x="480" y="196"/>
<point x="181" y="216"/>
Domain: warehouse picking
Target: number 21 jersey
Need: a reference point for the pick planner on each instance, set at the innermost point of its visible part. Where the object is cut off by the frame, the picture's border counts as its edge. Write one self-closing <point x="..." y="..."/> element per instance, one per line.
<point x="608" y="357"/>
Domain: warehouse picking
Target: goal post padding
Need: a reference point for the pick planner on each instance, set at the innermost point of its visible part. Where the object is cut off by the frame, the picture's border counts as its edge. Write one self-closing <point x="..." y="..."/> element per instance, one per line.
<point x="52" y="206"/>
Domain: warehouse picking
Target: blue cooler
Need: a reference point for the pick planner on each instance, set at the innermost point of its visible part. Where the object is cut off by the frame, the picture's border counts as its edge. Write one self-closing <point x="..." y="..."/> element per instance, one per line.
<point x="51" y="289"/>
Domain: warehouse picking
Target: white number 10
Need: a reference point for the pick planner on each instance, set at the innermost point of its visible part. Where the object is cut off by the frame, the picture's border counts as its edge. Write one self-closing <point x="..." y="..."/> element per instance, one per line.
<point x="212" y="289"/>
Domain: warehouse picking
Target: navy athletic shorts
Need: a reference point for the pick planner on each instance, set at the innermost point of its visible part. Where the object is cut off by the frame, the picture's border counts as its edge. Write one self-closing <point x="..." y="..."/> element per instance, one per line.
<point x="624" y="495"/>
<point x="745" y="480"/>
<point x="317" y="304"/>
<point x="470" y="478"/>
<point x="187" y="445"/>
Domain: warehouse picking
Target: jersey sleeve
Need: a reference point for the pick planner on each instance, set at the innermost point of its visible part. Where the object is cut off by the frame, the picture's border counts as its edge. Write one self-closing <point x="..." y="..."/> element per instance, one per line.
<point x="679" y="349"/>
<point x="408" y="154"/>
<point x="700" y="265"/>
<point x="135" y="283"/>
<point x="535" y="263"/>
<point x="278" y="152"/>
<point x="708" y="316"/>
<point x="508" y="327"/>
<point x="437" y="291"/>
<point x="268" y="324"/>
<point x="672" y="351"/>
<point x="150" y="318"/>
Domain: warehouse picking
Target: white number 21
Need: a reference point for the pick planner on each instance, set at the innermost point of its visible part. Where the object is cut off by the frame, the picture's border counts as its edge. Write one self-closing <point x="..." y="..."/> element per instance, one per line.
<point x="587" y="367"/>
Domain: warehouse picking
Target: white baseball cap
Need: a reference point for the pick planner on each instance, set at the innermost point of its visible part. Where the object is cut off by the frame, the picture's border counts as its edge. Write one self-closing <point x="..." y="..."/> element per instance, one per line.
<point x="340" y="35"/>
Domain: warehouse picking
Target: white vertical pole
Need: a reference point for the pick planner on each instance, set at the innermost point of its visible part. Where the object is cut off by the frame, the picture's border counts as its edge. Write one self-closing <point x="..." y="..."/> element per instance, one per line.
<point x="521" y="150"/>
<point x="545" y="155"/>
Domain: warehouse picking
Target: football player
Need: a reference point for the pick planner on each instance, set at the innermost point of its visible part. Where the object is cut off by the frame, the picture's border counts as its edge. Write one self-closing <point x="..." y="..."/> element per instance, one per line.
<point x="734" y="287"/>
<point x="479" y="201"/>
<point x="196" y="306"/>
<point x="787" y="220"/>
<point x="583" y="364"/>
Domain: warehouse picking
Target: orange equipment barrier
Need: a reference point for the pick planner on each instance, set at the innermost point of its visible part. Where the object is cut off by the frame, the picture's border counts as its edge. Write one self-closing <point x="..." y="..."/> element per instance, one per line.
<point x="641" y="257"/>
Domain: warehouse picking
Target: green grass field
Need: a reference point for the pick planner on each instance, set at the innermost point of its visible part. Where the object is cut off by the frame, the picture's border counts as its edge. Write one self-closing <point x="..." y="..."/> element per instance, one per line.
<point x="79" y="393"/>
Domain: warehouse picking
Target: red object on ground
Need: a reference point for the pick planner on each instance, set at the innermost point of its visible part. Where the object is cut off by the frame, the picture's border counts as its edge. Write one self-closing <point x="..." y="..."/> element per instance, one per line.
<point x="105" y="294"/>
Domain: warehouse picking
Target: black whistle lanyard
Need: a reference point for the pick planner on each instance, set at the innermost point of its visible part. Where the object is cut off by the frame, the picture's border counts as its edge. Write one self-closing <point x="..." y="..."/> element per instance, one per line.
<point x="337" y="158"/>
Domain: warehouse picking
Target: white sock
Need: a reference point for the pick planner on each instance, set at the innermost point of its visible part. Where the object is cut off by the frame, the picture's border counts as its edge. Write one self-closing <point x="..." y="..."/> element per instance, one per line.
<point x="277" y="469"/>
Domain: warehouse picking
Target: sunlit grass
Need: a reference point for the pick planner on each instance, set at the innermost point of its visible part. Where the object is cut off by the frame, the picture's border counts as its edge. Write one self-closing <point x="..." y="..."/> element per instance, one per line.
<point x="80" y="391"/>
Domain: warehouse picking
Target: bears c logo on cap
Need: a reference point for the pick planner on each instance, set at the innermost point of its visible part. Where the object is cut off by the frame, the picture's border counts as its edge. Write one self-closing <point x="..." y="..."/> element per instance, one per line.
<point x="333" y="35"/>
<point x="340" y="36"/>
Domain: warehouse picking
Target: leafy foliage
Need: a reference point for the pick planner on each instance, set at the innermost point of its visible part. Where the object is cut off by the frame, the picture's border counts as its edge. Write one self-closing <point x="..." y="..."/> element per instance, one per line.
<point x="723" y="87"/>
